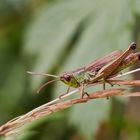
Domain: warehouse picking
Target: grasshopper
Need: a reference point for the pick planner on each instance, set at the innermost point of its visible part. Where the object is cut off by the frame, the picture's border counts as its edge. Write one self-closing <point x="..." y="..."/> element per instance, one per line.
<point x="111" y="67"/>
<point x="100" y="69"/>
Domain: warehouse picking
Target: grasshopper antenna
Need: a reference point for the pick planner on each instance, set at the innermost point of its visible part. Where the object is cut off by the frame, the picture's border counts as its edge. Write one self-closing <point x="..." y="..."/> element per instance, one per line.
<point x="42" y="74"/>
<point x="45" y="84"/>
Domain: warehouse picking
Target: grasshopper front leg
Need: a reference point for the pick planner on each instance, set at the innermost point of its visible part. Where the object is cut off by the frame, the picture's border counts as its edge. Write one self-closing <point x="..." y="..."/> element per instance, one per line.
<point x="65" y="93"/>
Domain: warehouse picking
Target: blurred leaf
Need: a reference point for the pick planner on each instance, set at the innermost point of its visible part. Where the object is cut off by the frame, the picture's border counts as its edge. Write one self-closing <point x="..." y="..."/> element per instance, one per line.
<point x="51" y="33"/>
<point x="12" y="90"/>
<point x="136" y="6"/>
<point x="88" y="116"/>
<point x="97" y="27"/>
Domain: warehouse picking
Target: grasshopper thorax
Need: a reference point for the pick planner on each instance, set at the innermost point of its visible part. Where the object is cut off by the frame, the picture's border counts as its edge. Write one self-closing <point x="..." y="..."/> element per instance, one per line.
<point x="69" y="79"/>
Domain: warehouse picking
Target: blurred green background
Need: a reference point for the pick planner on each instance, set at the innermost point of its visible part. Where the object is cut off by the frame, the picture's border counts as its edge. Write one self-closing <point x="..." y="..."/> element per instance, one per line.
<point x="53" y="36"/>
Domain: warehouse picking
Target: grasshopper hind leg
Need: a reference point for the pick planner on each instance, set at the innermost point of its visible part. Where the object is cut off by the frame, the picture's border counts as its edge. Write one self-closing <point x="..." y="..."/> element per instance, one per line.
<point x="109" y="83"/>
<point x="106" y="81"/>
<point x="104" y="84"/>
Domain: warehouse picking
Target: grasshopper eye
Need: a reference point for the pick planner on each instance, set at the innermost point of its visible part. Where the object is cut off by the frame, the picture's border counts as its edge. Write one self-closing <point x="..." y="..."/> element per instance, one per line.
<point x="67" y="77"/>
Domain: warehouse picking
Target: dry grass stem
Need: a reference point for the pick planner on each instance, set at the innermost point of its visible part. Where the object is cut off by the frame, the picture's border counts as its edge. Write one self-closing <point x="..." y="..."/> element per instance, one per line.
<point x="45" y="110"/>
<point x="126" y="82"/>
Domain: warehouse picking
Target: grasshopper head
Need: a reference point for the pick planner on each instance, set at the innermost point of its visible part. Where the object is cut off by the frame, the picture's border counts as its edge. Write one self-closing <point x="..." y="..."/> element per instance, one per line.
<point x="69" y="79"/>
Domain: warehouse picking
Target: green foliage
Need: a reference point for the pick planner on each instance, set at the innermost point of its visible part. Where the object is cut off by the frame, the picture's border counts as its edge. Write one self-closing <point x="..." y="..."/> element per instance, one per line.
<point x="61" y="35"/>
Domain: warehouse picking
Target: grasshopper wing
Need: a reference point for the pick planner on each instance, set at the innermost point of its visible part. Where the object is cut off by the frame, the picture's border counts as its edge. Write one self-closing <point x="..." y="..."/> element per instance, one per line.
<point x="99" y="63"/>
